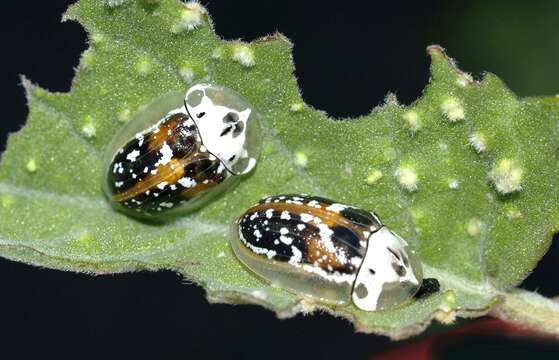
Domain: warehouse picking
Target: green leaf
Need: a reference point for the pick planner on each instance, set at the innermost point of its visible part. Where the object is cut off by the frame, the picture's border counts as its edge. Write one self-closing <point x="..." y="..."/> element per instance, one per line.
<point x="468" y="173"/>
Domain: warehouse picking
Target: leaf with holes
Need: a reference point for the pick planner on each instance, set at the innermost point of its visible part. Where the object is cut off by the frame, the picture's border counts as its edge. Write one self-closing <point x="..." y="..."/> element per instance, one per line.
<point x="468" y="173"/>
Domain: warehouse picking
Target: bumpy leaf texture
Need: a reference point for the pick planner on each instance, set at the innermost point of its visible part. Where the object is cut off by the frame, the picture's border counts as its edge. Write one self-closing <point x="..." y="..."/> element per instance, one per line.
<point x="468" y="173"/>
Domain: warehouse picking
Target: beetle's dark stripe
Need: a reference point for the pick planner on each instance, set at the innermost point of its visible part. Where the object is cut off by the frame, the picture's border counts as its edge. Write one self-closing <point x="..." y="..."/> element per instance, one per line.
<point x="347" y="237"/>
<point x="199" y="169"/>
<point x="360" y="217"/>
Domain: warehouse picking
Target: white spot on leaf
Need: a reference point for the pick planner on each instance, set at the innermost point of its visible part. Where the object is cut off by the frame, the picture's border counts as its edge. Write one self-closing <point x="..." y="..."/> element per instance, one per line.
<point x="244" y="55"/>
<point x="478" y="142"/>
<point x="507" y="176"/>
<point x="453" y="110"/>
<point x="407" y="178"/>
<point x="413" y="121"/>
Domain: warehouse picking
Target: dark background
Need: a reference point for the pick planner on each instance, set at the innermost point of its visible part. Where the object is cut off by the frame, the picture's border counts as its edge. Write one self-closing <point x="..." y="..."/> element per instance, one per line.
<point x="366" y="48"/>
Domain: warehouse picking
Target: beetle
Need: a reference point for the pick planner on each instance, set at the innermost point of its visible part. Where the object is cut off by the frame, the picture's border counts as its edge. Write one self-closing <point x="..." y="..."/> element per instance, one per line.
<point x="328" y="251"/>
<point x="180" y="151"/>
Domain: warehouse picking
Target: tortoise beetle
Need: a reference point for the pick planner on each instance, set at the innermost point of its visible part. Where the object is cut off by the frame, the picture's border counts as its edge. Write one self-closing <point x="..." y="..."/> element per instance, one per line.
<point x="180" y="151"/>
<point x="330" y="252"/>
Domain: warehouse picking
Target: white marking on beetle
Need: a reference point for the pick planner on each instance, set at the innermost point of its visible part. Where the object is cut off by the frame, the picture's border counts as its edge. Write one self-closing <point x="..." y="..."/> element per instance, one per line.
<point x="356" y="261"/>
<point x="228" y="146"/>
<point x="382" y="260"/>
<point x="289" y="201"/>
<point x="187" y="182"/>
<point x="336" y="208"/>
<point x="336" y="276"/>
<point x="257" y="250"/>
<point x="269" y="213"/>
<point x="296" y="257"/>
<point x="314" y="204"/>
<point x="286" y="240"/>
<point x="166" y="154"/>
<point x="326" y="236"/>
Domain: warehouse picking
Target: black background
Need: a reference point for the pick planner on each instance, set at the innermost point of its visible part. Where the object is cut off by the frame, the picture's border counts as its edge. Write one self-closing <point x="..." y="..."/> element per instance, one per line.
<point x="348" y="56"/>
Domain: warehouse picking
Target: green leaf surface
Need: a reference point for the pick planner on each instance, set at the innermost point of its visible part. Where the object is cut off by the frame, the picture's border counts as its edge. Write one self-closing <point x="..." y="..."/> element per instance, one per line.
<point x="468" y="173"/>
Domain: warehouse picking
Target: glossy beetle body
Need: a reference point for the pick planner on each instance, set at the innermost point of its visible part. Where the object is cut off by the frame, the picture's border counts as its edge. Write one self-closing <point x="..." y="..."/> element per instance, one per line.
<point x="330" y="252"/>
<point x="179" y="152"/>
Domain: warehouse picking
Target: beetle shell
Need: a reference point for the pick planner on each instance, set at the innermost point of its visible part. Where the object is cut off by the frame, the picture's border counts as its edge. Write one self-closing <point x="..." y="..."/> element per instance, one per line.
<point x="330" y="252"/>
<point x="173" y="157"/>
